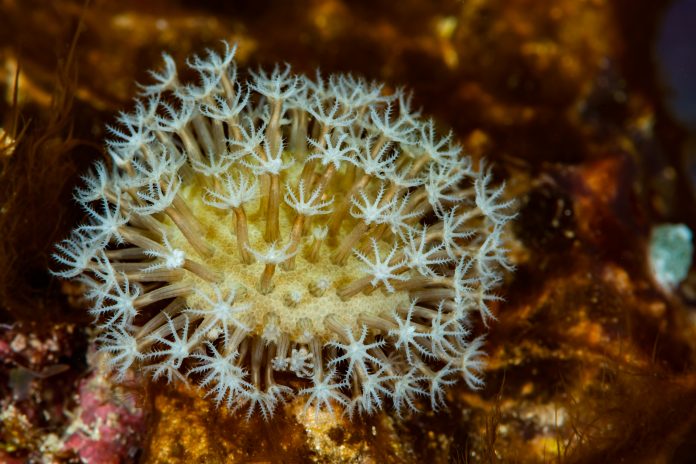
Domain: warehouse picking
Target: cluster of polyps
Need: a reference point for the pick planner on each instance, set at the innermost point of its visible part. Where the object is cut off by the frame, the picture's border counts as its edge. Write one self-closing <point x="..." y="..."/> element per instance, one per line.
<point x="288" y="236"/>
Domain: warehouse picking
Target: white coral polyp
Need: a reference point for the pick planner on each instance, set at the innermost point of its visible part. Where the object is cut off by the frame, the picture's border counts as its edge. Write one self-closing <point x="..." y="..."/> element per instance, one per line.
<point x="288" y="236"/>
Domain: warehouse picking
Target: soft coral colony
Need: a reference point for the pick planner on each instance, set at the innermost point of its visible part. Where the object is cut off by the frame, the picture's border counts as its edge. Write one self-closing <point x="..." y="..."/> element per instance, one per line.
<point x="288" y="236"/>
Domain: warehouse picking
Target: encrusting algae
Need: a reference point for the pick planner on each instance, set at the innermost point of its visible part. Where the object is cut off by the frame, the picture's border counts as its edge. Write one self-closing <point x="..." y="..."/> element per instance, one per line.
<point x="288" y="236"/>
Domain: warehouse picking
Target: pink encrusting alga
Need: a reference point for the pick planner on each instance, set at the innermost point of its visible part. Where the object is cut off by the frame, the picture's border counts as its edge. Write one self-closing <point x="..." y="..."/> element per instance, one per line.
<point x="288" y="236"/>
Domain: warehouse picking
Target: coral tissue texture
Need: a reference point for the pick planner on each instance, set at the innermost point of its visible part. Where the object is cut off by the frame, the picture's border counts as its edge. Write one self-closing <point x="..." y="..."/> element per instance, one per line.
<point x="276" y="235"/>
